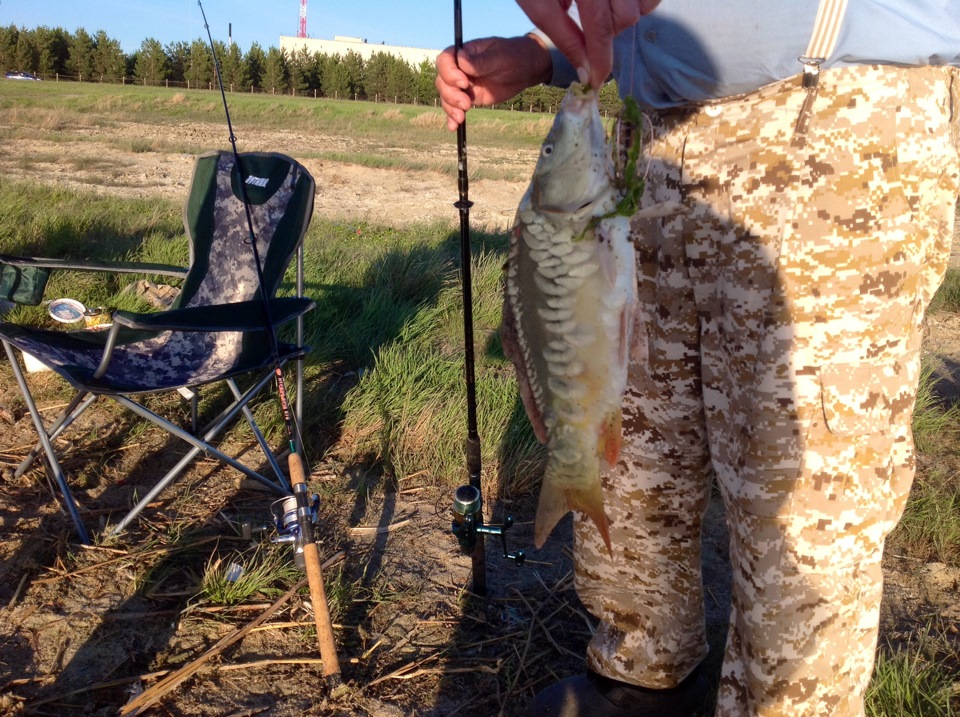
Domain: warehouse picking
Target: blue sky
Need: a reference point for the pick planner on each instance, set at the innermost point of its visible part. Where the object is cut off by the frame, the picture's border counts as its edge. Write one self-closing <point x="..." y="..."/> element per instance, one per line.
<point x="414" y="23"/>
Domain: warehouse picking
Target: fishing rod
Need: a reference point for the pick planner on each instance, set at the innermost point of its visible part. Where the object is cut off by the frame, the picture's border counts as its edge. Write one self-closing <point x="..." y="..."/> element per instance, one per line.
<point x="468" y="523"/>
<point x="468" y="502"/>
<point x="298" y="482"/>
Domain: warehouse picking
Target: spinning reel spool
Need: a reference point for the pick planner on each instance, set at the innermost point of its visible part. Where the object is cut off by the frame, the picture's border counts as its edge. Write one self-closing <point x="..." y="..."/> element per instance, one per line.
<point x="285" y="517"/>
<point x="468" y="523"/>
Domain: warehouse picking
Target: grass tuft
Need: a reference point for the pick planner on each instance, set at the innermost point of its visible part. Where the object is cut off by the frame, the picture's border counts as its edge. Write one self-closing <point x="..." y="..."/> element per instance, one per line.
<point x="947" y="298"/>
<point x="907" y="683"/>
<point x="238" y="577"/>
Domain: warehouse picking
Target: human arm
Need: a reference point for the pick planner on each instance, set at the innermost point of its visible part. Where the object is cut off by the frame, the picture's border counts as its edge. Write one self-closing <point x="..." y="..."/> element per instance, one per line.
<point x="488" y="71"/>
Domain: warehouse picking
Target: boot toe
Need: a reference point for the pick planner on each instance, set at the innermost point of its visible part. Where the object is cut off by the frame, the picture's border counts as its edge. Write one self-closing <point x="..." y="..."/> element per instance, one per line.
<point x="594" y="695"/>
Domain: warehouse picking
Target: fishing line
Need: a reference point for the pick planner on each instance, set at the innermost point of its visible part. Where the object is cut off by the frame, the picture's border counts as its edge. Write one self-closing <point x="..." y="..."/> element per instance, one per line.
<point x="289" y="419"/>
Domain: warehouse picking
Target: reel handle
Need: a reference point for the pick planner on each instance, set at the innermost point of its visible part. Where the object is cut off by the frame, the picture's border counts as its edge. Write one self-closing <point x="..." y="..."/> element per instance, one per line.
<point x="468" y="523"/>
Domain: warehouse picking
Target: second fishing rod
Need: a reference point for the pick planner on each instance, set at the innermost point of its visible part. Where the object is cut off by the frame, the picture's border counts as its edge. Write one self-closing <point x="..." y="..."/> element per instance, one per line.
<point x="295" y="463"/>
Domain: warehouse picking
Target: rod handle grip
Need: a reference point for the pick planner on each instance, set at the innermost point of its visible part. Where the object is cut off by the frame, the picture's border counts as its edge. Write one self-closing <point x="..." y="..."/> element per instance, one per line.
<point x="318" y="594"/>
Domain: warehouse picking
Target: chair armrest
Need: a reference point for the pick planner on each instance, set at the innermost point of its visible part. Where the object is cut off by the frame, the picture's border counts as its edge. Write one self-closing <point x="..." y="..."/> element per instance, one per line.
<point x="119" y="267"/>
<point x="239" y="316"/>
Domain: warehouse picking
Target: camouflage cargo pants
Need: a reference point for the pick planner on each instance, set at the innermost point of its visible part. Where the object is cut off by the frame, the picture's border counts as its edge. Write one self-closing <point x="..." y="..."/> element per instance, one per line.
<point x="777" y="353"/>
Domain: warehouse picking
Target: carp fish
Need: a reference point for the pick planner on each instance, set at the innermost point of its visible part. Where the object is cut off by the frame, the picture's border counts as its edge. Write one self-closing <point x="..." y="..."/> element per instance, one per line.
<point x="570" y="295"/>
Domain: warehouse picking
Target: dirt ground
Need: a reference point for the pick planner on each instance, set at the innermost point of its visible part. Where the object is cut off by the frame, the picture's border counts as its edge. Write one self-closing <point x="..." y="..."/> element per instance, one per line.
<point x="344" y="191"/>
<point x="83" y="630"/>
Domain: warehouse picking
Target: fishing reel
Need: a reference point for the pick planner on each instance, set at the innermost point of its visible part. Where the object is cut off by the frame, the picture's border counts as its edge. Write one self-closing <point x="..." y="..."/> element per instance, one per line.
<point x="468" y="523"/>
<point x="287" y="524"/>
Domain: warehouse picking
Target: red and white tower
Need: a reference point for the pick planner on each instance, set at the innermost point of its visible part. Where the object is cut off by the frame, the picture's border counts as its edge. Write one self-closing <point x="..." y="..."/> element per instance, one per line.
<point x="303" y="19"/>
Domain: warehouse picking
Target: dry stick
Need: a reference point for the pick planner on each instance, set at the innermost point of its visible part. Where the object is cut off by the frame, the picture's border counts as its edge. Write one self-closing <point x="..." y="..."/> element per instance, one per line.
<point x="120" y="681"/>
<point x="16" y="594"/>
<point x="172" y="681"/>
<point x="534" y="622"/>
<point x="267" y="663"/>
<point x="142" y="554"/>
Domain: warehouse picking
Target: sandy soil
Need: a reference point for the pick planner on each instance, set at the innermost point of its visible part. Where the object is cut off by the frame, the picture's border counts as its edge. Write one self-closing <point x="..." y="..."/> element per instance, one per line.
<point x="344" y="191"/>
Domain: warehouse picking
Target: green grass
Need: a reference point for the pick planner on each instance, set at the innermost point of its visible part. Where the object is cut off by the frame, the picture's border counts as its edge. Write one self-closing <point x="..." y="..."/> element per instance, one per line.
<point x="909" y="682"/>
<point x="389" y="310"/>
<point x="936" y="422"/>
<point x="239" y="577"/>
<point x="44" y="221"/>
<point x="947" y="298"/>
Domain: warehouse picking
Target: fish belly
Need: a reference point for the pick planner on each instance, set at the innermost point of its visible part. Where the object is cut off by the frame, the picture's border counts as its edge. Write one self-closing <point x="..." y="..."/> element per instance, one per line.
<point x="568" y="311"/>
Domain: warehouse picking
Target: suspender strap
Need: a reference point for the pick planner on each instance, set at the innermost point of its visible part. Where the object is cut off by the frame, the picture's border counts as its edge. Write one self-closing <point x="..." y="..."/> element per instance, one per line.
<point x="826" y="29"/>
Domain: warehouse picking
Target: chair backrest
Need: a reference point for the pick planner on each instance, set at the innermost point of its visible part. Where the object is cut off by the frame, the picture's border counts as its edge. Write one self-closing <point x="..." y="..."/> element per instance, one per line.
<point x="222" y="267"/>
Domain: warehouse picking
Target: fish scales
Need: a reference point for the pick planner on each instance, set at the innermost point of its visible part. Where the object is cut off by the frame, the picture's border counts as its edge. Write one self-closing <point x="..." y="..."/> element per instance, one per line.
<point x="569" y="303"/>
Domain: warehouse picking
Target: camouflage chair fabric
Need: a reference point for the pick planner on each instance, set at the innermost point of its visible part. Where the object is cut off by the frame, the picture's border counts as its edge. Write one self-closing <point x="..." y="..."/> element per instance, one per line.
<point x="216" y="329"/>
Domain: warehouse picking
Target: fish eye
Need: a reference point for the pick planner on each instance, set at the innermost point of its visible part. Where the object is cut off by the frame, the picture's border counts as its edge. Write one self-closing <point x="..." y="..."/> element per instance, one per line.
<point x="546" y="150"/>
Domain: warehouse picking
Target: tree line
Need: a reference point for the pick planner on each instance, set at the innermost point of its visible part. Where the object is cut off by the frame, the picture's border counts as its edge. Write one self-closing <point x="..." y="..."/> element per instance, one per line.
<point x="57" y="53"/>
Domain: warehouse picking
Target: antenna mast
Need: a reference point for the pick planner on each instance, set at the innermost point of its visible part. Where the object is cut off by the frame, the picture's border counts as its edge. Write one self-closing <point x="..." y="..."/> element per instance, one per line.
<point x="303" y="19"/>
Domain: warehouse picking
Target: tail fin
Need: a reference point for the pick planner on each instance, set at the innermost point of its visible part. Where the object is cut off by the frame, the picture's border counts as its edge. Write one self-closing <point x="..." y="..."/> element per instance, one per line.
<point x="556" y="502"/>
<point x="589" y="501"/>
<point x="550" y="509"/>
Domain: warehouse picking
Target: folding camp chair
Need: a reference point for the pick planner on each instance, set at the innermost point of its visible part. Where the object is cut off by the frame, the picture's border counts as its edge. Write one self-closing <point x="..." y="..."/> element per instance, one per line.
<point x="215" y="330"/>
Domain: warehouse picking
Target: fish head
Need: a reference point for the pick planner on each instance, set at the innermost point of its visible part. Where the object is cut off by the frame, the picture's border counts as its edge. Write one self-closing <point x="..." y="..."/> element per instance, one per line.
<point x="575" y="166"/>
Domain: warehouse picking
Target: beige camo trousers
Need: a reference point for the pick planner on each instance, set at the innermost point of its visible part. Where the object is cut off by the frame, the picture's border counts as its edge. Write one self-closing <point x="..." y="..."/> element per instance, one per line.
<point x="777" y="354"/>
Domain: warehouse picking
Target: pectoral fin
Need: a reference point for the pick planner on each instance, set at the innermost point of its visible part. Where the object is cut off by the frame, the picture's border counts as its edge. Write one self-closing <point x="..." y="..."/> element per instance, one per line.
<point x="611" y="439"/>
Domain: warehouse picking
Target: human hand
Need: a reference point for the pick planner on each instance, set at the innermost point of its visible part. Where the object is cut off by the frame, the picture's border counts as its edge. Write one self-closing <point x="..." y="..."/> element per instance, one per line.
<point x="592" y="47"/>
<point x="489" y="71"/>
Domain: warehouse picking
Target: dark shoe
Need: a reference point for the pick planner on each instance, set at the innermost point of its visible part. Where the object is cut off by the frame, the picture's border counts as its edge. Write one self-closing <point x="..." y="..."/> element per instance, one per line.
<point x="594" y="695"/>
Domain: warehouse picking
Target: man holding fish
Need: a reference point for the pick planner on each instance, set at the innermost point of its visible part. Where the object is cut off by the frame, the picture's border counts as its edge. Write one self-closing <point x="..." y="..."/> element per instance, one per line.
<point x="801" y="167"/>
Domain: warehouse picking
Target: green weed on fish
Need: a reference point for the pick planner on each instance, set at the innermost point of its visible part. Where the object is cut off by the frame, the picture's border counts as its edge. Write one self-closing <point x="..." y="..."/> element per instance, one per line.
<point x="629" y="182"/>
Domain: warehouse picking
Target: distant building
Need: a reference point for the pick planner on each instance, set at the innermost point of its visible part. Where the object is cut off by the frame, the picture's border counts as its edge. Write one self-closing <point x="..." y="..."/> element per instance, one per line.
<point x="341" y="45"/>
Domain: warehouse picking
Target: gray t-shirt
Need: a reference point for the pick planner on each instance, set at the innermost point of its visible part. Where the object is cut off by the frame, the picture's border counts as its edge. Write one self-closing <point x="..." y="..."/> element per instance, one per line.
<point x="689" y="51"/>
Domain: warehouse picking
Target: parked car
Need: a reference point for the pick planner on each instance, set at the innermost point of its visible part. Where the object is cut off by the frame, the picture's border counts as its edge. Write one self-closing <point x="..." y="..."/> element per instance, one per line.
<point x="21" y="76"/>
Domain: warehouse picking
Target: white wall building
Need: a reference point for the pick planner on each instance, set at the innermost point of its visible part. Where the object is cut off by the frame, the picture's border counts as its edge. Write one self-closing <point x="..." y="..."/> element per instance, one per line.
<point x="341" y="45"/>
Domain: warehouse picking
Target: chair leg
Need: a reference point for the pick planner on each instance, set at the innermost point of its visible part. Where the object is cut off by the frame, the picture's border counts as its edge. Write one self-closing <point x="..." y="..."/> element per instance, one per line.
<point x="199" y="446"/>
<point x="53" y="463"/>
<point x="248" y="414"/>
<point x="69" y="415"/>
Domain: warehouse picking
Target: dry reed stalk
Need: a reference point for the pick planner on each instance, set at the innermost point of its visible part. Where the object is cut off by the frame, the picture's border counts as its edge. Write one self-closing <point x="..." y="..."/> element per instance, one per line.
<point x="172" y="681"/>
